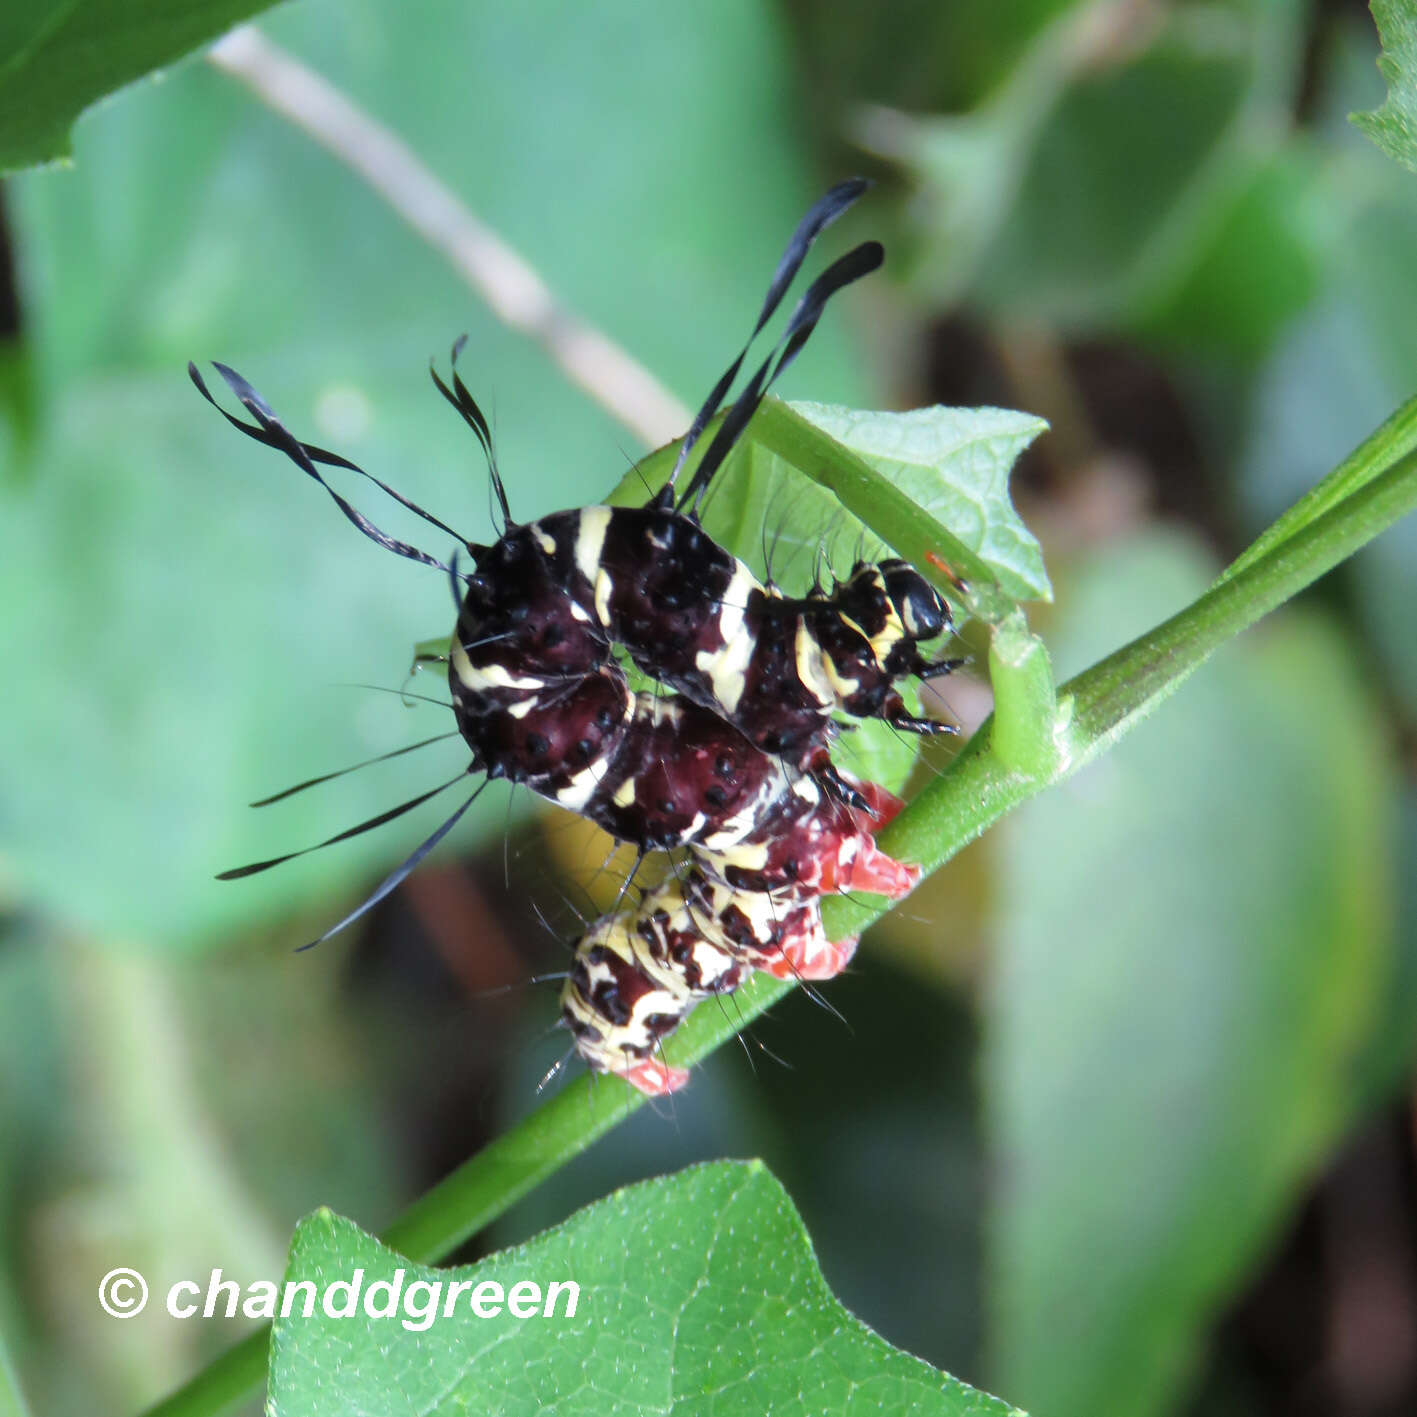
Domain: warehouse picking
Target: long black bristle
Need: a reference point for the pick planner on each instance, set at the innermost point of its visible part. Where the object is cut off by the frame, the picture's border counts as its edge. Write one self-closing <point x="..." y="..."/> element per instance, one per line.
<point x="396" y="878"/>
<point x="334" y="459"/>
<point x="239" y="872"/>
<point x="475" y="419"/>
<point x="270" y="431"/>
<point x="821" y="216"/>
<point x="368" y="762"/>
<point x="859" y="261"/>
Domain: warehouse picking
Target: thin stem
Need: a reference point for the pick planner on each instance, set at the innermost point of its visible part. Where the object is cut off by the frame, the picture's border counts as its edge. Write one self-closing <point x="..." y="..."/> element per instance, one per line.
<point x="12" y="1400"/>
<point x="1025" y="699"/>
<point x="1393" y="440"/>
<point x="512" y="288"/>
<point x="1131" y="681"/>
<point x="226" y="1383"/>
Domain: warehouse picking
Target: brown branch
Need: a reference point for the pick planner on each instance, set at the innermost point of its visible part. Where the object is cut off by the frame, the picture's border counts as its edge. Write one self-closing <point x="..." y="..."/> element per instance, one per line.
<point x="513" y="290"/>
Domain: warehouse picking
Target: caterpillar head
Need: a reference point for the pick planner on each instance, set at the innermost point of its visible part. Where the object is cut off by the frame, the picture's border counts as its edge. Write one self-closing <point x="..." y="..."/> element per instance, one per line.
<point x="923" y="613"/>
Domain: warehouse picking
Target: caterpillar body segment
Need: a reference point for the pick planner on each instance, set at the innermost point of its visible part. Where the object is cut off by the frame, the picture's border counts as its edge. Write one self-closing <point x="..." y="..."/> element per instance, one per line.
<point x="638" y="973"/>
<point x="552" y="598"/>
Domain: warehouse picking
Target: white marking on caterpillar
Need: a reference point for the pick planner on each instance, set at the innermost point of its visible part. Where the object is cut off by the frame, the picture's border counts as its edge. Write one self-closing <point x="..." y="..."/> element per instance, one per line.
<point x="727" y="667"/>
<point x="579" y="790"/>
<point x="489" y="676"/>
<point x="810" y="673"/>
<point x="590" y="540"/>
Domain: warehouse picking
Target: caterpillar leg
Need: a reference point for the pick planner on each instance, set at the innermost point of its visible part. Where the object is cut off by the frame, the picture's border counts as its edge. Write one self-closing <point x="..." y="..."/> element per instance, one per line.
<point x="653" y="1077"/>
<point x="939" y="668"/>
<point x="882" y="805"/>
<point x="894" y="711"/>
<point x="839" y="788"/>
<point x="858" y="864"/>
<point x="814" y="959"/>
<point x="925" y="727"/>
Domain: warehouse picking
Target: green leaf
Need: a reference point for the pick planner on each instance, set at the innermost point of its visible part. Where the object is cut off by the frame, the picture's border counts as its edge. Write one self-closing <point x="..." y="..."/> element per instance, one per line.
<point x="698" y="1293"/>
<point x="773" y="504"/>
<point x="1196" y="933"/>
<point x="818" y="486"/>
<point x="1393" y="127"/>
<point x="955" y="463"/>
<point x="1254" y="266"/>
<point x="60" y="56"/>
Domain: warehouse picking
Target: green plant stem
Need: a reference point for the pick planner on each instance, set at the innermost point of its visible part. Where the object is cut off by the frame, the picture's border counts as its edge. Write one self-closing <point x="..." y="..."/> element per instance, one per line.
<point x="1097" y="708"/>
<point x="12" y="1400"/>
<point x="230" y="1380"/>
<point x="1025" y="699"/>
<point x="1382" y="449"/>
<point x="1113" y="693"/>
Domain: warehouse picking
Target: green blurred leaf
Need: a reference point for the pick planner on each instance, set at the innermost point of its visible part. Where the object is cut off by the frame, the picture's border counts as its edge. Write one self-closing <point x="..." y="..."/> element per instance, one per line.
<point x="1255" y="268"/>
<point x="1393" y="127"/>
<point x="969" y="165"/>
<point x="184" y="603"/>
<point x="1107" y="176"/>
<point x="1385" y="1066"/>
<point x="59" y="56"/>
<point x="1135" y="170"/>
<point x="956" y="56"/>
<point x="697" y="1292"/>
<point x="31" y="1051"/>
<point x="1195" y="935"/>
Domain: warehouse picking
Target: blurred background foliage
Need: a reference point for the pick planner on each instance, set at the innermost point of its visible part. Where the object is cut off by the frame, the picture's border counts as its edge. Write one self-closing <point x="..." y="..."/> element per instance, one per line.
<point x="1115" y="1116"/>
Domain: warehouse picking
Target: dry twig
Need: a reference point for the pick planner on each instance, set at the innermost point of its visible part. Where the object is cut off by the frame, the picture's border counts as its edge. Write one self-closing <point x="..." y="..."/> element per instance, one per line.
<point x="515" y="292"/>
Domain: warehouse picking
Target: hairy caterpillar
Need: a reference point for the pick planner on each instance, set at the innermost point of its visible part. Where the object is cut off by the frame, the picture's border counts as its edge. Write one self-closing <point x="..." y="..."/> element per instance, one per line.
<point x="732" y="763"/>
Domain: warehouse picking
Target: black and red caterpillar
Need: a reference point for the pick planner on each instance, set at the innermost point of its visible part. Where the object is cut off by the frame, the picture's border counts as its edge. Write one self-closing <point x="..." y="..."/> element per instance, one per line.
<point x="733" y="762"/>
<point x="637" y="973"/>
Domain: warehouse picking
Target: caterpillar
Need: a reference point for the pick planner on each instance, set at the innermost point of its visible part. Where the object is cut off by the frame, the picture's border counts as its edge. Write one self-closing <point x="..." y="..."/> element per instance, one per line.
<point x="731" y="760"/>
<point x="636" y="974"/>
